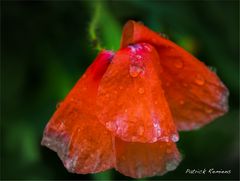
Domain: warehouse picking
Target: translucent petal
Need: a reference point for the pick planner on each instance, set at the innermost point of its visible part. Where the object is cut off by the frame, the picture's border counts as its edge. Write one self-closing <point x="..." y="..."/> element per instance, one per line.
<point x="139" y="160"/>
<point x="195" y="94"/>
<point x="131" y="102"/>
<point x="74" y="132"/>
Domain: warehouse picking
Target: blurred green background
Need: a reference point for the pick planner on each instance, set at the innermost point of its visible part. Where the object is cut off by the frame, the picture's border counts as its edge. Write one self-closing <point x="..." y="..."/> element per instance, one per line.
<point x="46" y="46"/>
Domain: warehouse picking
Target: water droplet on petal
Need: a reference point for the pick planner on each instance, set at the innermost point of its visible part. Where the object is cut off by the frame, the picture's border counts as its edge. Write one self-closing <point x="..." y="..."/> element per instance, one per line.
<point x="134" y="138"/>
<point x="181" y="102"/>
<point x="175" y="138"/>
<point x="140" y="130"/>
<point x="178" y="64"/>
<point x="163" y="35"/>
<point x="141" y="90"/>
<point x="199" y="80"/>
<point x="155" y="102"/>
<point x="123" y="158"/>
<point x="168" y="150"/>
<point x="125" y="110"/>
<point x="157" y="129"/>
<point x="185" y="84"/>
<point x="135" y="70"/>
<point x="138" y="57"/>
<point x="213" y="69"/>
<point x="110" y="125"/>
<point x="146" y="47"/>
<point x="171" y="165"/>
<point x="58" y="105"/>
<point x="154" y="139"/>
<point x="208" y="110"/>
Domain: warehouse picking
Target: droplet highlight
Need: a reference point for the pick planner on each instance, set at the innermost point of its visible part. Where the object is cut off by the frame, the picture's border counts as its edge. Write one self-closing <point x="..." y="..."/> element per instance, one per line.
<point x="181" y="102"/>
<point x="199" y="80"/>
<point x="213" y="69"/>
<point x="171" y="165"/>
<point x="140" y="130"/>
<point x="185" y="85"/>
<point x="178" y="64"/>
<point x="208" y="110"/>
<point x="175" y="138"/>
<point x="135" y="70"/>
<point x="58" y="105"/>
<point x="141" y="90"/>
<point x="168" y="150"/>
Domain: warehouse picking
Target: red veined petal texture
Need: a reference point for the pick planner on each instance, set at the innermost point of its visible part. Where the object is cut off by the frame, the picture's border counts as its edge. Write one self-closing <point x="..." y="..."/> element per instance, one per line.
<point x="146" y="159"/>
<point x="81" y="141"/>
<point x="131" y="101"/>
<point x="195" y="94"/>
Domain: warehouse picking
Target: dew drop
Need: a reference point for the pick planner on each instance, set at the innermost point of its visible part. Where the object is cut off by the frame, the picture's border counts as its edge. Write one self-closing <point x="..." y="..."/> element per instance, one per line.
<point x="134" y="70"/>
<point x="181" y="102"/>
<point x="167" y="84"/>
<point x="123" y="158"/>
<point x="163" y="35"/>
<point x="178" y="64"/>
<point x="155" y="102"/>
<point x="165" y="139"/>
<point x="134" y="138"/>
<point x="199" y="80"/>
<point x="140" y="130"/>
<point x="208" y="110"/>
<point x="171" y="165"/>
<point x="58" y="105"/>
<point x="125" y="110"/>
<point x="213" y="69"/>
<point x="141" y="90"/>
<point x="175" y="138"/>
<point x="146" y="47"/>
<point x="168" y="150"/>
<point x="185" y="84"/>
<point x="138" y="57"/>
<point x="110" y="125"/>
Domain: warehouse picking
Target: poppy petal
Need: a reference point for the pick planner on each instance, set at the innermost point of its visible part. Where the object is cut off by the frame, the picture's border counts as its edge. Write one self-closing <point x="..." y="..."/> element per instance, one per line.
<point x="130" y="100"/>
<point x="195" y="94"/>
<point x="82" y="143"/>
<point x="139" y="160"/>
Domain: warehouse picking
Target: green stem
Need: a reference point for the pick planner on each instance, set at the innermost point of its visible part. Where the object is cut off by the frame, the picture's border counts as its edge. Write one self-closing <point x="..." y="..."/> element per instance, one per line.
<point x="94" y="23"/>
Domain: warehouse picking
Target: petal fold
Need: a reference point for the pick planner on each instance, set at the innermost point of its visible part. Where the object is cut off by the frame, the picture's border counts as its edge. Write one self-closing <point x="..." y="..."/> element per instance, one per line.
<point x="82" y="143"/>
<point x="195" y="94"/>
<point x="131" y="101"/>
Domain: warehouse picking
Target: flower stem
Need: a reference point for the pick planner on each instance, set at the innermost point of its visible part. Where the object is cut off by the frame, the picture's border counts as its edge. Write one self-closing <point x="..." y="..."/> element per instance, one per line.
<point x="94" y="23"/>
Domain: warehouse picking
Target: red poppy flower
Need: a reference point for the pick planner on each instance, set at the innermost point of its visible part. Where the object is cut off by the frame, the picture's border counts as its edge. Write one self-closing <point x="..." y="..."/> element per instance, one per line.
<point x="125" y="110"/>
